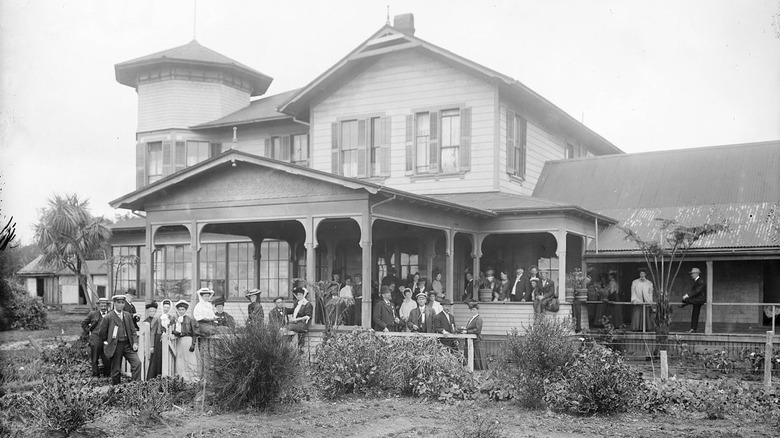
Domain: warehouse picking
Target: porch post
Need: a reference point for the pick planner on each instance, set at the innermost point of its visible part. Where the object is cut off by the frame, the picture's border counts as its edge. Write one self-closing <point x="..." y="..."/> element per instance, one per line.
<point x="708" y="315"/>
<point x="149" y="255"/>
<point x="194" y="253"/>
<point x="430" y="254"/>
<point x="450" y="253"/>
<point x="561" y="236"/>
<point x="476" y="254"/>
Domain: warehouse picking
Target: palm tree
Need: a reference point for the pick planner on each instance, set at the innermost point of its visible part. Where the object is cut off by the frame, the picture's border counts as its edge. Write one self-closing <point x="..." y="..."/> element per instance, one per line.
<point x="68" y="235"/>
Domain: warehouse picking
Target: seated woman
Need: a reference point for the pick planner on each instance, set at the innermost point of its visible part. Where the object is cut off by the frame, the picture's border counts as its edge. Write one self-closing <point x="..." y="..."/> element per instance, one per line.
<point x="204" y="313"/>
<point x="300" y="314"/>
<point x="474" y="327"/>
<point x="255" y="309"/>
<point x="406" y="307"/>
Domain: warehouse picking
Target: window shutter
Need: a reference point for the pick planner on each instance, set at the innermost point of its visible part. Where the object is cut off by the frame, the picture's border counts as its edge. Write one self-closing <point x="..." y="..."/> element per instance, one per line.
<point x="269" y="152"/>
<point x="180" y="156"/>
<point x="286" y="148"/>
<point x="522" y="145"/>
<point x="167" y="159"/>
<point x="140" y="165"/>
<point x="409" y="144"/>
<point x="216" y="149"/>
<point x="384" y="148"/>
<point x="361" y="148"/>
<point x="510" y="142"/>
<point x="433" y="143"/>
<point x="334" y="148"/>
<point x="465" y="139"/>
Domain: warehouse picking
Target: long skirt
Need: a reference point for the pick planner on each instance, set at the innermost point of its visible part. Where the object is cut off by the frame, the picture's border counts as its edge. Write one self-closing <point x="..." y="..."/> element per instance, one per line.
<point x="479" y="359"/>
<point x="155" y="363"/>
<point x="187" y="365"/>
<point x="636" y="319"/>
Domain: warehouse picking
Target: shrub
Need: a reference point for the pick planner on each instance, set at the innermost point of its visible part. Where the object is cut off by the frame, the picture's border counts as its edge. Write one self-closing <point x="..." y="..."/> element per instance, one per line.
<point x="255" y="367"/>
<point x="363" y="362"/>
<point x="479" y="426"/>
<point x="72" y="357"/>
<point x="148" y="399"/>
<point x="596" y="381"/>
<point x="19" y="309"/>
<point x="541" y="353"/>
<point x="66" y="403"/>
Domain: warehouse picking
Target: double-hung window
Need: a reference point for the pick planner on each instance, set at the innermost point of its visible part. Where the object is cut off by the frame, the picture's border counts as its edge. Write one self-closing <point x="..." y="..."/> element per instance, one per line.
<point x="300" y="149"/>
<point x="349" y="148"/>
<point x="516" y="142"/>
<point x="154" y="161"/>
<point x="361" y="147"/>
<point x="290" y="148"/>
<point x="438" y="142"/>
<point x="197" y="151"/>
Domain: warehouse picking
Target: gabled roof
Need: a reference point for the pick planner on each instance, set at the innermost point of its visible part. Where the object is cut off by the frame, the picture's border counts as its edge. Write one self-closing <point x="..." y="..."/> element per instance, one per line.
<point x="191" y="54"/>
<point x="260" y="110"/>
<point x="135" y="200"/>
<point x="738" y="185"/>
<point x="388" y="40"/>
<point x="507" y="203"/>
<point x="37" y="268"/>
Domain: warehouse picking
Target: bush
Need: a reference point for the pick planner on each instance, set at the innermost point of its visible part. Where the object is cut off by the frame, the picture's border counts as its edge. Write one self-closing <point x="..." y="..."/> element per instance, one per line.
<point x="363" y="362"/>
<point x="255" y="367"/>
<point x="542" y="353"/>
<point x="596" y="381"/>
<point x="148" y="399"/>
<point x="19" y="309"/>
<point x="66" y="403"/>
<point x="479" y="427"/>
<point x="71" y="357"/>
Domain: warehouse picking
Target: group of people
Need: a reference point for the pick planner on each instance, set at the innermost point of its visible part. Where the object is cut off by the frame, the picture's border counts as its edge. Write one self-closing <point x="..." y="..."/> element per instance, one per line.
<point x="534" y="286"/>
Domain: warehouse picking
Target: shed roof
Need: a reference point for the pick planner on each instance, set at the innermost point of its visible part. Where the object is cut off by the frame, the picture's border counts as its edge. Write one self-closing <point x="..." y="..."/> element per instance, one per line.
<point x="37" y="268"/>
<point x="192" y="53"/>
<point x="260" y="110"/>
<point x="738" y="185"/>
<point x="389" y="39"/>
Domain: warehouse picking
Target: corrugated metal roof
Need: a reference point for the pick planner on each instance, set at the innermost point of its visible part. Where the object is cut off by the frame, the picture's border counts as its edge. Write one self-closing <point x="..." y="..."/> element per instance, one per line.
<point x="744" y="173"/>
<point x="38" y="268"/>
<point x="749" y="225"/>
<point x="257" y="111"/>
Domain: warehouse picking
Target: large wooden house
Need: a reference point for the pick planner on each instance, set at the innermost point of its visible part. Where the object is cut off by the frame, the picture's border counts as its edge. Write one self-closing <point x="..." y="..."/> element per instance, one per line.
<point x="402" y="155"/>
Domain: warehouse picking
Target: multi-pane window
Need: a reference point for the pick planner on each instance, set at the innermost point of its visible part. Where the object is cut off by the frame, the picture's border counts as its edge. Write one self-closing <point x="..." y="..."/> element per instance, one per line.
<point x="154" y="161"/>
<point x="172" y="272"/>
<point x="450" y="140"/>
<point x="197" y="151"/>
<point x="213" y="267"/>
<point x="128" y="270"/>
<point x="300" y="149"/>
<point x="516" y="137"/>
<point x="241" y="268"/>
<point x="349" y="148"/>
<point x="275" y="268"/>
<point x="422" y="138"/>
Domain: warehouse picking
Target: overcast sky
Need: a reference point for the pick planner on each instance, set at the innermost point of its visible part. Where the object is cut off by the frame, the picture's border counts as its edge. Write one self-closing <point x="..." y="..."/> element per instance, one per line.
<point x="646" y="75"/>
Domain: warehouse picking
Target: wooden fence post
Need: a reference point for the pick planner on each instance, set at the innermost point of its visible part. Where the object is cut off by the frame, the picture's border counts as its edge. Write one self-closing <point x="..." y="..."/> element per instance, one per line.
<point x="768" y="360"/>
<point x="664" y="366"/>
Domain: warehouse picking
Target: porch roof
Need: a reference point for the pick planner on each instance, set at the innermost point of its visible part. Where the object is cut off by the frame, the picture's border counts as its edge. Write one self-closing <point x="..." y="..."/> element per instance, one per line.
<point x="136" y="200"/>
<point x="258" y="111"/>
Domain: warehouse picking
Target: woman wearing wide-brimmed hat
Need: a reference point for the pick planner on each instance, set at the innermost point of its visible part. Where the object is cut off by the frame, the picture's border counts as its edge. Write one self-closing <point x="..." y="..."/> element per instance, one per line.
<point x="474" y="327"/>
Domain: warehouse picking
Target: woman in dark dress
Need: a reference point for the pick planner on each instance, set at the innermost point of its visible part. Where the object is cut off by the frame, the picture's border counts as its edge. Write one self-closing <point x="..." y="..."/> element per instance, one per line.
<point x="159" y="325"/>
<point x="474" y="327"/>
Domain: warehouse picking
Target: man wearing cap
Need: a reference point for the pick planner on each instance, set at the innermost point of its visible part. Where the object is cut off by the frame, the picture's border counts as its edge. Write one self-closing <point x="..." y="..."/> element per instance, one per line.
<point x="696" y="298"/>
<point x="444" y="323"/>
<point x="421" y="317"/>
<point x="91" y="325"/>
<point x="223" y="318"/>
<point x="255" y="309"/>
<point x="384" y="316"/>
<point x="120" y="339"/>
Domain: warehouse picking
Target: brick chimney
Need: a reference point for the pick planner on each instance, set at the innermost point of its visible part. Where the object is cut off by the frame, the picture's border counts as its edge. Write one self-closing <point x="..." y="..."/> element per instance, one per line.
<point x="404" y="23"/>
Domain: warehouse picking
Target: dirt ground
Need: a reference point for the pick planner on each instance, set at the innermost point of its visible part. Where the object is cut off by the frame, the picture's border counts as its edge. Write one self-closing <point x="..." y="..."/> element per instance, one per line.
<point x="394" y="417"/>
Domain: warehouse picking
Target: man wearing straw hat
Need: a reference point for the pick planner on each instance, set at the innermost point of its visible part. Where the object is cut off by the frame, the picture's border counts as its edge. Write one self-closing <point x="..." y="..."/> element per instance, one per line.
<point x="697" y="297"/>
<point x="120" y="339"/>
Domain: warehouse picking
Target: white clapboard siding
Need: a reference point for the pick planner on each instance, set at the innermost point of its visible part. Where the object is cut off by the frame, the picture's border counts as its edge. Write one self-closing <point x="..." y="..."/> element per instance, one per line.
<point x="181" y="104"/>
<point x="251" y="138"/>
<point x="397" y="85"/>
<point x="498" y="319"/>
<point x="541" y="146"/>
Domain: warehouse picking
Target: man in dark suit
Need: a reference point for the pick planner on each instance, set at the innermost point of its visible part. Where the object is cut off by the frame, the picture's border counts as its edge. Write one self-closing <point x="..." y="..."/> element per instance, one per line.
<point x="527" y="283"/>
<point x="91" y="325"/>
<point x="277" y="317"/>
<point x="421" y="317"/>
<point x="130" y="308"/>
<point x="468" y="291"/>
<point x="384" y="317"/>
<point x="120" y="339"/>
<point x="444" y="323"/>
<point x="517" y="288"/>
<point x="696" y="298"/>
